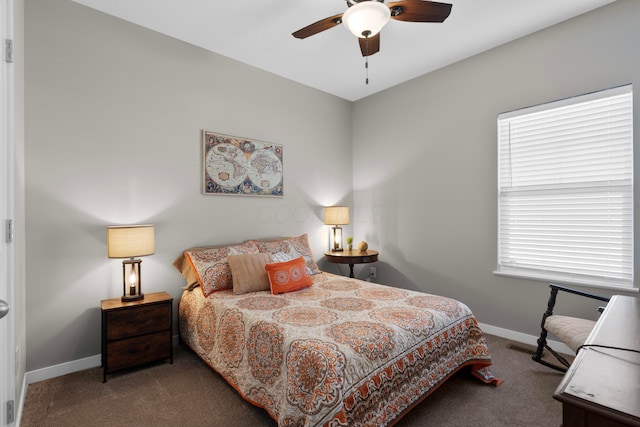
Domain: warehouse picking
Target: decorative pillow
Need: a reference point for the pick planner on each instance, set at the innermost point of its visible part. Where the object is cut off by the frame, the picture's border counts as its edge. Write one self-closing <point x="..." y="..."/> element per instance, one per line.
<point x="288" y="256"/>
<point x="293" y="247"/>
<point x="282" y="257"/>
<point x="211" y="267"/>
<point x="248" y="272"/>
<point x="288" y="276"/>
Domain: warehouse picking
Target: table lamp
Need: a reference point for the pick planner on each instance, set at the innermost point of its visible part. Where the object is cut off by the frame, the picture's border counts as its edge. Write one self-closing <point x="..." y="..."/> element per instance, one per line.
<point x="336" y="216"/>
<point x="131" y="241"/>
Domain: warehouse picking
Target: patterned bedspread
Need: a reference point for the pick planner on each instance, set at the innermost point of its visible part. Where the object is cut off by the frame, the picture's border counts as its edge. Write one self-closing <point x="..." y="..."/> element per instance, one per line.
<point x="342" y="352"/>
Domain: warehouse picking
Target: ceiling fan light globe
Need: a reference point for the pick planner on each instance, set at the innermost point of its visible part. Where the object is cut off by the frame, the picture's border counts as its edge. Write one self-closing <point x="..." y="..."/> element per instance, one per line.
<point x="366" y="18"/>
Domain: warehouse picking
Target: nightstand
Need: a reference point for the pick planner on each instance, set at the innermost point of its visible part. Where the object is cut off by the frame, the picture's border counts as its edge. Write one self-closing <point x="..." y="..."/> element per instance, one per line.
<point x="351" y="258"/>
<point x="136" y="332"/>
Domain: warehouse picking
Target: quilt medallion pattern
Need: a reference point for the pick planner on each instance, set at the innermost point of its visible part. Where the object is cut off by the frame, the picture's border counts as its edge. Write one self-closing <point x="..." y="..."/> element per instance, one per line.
<point x="343" y="352"/>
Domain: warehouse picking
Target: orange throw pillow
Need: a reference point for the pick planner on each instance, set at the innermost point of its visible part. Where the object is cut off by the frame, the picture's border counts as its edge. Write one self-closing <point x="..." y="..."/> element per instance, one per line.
<point x="288" y="276"/>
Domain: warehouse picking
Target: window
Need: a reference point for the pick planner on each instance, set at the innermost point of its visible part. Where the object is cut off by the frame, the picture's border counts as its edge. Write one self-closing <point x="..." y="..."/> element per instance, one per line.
<point x="565" y="190"/>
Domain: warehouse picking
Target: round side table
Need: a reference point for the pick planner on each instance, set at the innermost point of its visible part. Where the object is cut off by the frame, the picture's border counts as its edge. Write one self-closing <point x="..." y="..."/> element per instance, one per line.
<point x="352" y="258"/>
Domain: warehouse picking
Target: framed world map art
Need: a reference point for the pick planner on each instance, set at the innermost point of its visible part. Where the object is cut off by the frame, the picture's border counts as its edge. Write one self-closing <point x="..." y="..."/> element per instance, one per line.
<point x="241" y="166"/>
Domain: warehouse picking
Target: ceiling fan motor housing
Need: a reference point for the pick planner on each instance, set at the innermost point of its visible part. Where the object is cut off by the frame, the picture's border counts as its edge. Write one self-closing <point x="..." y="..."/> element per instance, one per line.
<point x="366" y="18"/>
<point x="352" y="2"/>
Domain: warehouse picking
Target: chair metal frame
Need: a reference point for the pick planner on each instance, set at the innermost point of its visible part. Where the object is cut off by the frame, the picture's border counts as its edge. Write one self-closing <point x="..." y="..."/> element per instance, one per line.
<point x="542" y="340"/>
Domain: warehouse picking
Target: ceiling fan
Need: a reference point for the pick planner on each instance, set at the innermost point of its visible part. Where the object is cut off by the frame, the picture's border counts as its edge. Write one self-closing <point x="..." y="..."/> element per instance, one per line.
<point x="365" y="19"/>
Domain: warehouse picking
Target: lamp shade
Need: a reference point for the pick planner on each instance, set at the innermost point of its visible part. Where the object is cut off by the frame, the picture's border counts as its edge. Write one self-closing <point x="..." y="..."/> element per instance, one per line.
<point x="366" y="19"/>
<point x="129" y="241"/>
<point x="336" y="215"/>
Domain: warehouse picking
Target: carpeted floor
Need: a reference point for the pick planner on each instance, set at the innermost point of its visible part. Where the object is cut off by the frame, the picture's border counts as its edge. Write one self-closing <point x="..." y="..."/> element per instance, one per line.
<point x="189" y="393"/>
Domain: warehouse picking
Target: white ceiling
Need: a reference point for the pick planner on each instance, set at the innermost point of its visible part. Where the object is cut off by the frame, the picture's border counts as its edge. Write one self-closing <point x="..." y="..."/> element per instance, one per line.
<point x="258" y="33"/>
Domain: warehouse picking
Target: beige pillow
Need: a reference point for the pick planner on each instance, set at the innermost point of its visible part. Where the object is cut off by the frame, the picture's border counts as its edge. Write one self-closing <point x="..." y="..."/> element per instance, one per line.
<point x="248" y="272"/>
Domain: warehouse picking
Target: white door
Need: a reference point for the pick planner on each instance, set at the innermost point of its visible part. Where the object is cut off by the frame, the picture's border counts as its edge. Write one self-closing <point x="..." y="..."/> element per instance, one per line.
<point x="7" y="372"/>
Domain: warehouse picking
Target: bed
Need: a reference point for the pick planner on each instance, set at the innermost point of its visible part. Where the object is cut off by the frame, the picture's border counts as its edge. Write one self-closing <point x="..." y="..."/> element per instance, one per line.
<point x="334" y="352"/>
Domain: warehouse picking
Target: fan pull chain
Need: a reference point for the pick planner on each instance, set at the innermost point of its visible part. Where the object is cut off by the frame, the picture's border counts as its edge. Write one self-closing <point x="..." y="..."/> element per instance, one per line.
<point x="366" y="66"/>
<point x="366" y="55"/>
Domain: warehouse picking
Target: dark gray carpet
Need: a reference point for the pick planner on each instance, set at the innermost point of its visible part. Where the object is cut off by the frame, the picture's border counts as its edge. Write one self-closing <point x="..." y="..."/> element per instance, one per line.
<point x="189" y="393"/>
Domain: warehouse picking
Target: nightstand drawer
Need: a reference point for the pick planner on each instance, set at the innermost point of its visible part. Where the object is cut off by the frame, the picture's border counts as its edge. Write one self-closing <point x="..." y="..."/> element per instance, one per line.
<point x="138" y="350"/>
<point x="136" y="332"/>
<point x="143" y="320"/>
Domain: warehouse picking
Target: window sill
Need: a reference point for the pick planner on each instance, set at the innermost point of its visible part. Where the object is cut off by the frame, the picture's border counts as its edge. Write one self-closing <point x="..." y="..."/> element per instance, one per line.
<point x="610" y="287"/>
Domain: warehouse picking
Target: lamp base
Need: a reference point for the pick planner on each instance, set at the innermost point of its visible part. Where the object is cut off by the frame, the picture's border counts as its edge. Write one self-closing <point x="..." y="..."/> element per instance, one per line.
<point x="335" y="239"/>
<point x="126" y="298"/>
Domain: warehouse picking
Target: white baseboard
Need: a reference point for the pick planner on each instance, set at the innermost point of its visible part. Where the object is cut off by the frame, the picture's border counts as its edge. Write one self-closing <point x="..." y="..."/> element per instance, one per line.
<point x="63" y="369"/>
<point x="523" y="338"/>
<point x="95" y="361"/>
<point x="70" y="367"/>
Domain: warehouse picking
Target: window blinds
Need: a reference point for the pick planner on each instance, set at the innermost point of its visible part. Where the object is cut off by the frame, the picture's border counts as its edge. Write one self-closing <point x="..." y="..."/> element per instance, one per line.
<point x="565" y="190"/>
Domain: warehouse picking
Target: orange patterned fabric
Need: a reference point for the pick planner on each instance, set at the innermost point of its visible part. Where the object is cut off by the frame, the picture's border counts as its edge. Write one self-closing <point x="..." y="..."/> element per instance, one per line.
<point x="287" y="249"/>
<point x="211" y="267"/>
<point x="342" y="352"/>
<point x="288" y="276"/>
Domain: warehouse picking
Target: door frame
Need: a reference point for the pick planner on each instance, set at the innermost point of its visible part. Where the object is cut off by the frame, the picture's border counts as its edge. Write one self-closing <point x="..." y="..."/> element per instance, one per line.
<point x="7" y="281"/>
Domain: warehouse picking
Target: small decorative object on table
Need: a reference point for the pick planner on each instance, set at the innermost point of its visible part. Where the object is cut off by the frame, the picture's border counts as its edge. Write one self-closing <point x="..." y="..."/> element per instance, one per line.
<point x="363" y="246"/>
<point x="349" y="243"/>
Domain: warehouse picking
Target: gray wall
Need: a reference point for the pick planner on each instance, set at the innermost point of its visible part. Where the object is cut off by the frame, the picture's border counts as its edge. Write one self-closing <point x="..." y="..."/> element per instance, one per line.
<point x="425" y="168"/>
<point x="113" y="120"/>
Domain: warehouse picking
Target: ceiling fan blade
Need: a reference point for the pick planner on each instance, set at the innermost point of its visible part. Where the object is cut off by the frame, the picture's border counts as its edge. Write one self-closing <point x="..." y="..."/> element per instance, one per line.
<point x="369" y="46"/>
<point x="419" y="11"/>
<point x="317" y="27"/>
